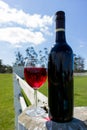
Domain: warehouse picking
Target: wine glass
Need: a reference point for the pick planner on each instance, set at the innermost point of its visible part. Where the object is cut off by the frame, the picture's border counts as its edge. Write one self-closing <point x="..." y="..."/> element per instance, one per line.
<point x="35" y="73"/>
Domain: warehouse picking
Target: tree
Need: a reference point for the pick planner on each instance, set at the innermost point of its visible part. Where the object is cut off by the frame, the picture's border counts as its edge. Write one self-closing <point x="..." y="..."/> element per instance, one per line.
<point x="41" y="57"/>
<point x="38" y="57"/>
<point x="78" y="63"/>
<point x="2" y="67"/>
<point x="5" y="68"/>
<point x="19" y="59"/>
<point x="0" y="61"/>
<point x="34" y="57"/>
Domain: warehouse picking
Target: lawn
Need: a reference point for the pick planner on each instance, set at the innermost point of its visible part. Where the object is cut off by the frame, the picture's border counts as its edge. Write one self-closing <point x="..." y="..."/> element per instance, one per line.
<point x="6" y="102"/>
<point x="80" y="90"/>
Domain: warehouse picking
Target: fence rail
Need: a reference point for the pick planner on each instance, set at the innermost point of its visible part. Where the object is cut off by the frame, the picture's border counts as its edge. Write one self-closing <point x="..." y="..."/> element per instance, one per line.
<point x="19" y="101"/>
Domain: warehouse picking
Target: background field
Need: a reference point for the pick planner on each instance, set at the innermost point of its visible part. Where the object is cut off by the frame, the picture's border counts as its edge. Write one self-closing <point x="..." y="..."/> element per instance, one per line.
<point x="80" y="90"/>
<point x="7" y="101"/>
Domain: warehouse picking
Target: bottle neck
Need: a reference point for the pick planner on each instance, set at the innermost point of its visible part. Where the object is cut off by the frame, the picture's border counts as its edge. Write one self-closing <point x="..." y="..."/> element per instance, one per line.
<point x="60" y="31"/>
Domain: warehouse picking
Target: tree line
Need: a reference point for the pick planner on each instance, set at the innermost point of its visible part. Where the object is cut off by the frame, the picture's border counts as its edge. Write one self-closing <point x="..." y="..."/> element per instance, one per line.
<point x="79" y="64"/>
<point x="42" y="55"/>
<point x="5" y="68"/>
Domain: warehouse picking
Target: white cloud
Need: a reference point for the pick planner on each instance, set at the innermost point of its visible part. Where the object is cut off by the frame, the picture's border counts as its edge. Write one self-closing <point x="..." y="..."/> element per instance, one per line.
<point x="82" y="44"/>
<point x="17" y="27"/>
<point x="17" y="35"/>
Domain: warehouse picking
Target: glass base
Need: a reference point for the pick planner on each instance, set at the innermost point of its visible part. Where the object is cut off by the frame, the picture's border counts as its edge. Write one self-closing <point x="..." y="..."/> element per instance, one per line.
<point x="35" y="112"/>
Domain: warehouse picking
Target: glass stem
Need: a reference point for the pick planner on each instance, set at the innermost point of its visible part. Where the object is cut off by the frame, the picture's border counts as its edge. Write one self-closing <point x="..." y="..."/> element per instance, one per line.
<point x="35" y="97"/>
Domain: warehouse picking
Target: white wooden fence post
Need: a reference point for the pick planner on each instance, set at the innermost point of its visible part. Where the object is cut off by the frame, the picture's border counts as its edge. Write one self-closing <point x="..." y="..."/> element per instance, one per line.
<point x="17" y="105"/>
<point x="19" y="70"/>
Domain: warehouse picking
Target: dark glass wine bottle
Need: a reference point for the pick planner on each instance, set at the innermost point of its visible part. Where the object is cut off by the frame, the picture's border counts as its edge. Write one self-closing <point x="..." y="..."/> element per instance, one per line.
<point x="60" y="75"/>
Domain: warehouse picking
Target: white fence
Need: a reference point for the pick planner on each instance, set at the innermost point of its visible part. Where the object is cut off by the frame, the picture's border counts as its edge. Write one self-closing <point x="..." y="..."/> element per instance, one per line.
<point x="19" y="102"/>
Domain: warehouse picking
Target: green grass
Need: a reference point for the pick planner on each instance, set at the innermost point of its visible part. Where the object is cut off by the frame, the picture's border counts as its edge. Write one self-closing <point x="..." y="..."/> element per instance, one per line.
<point x="25" y="97"/>
<point x="44" y="89"/>
<point x="80" y="90"/>
<point x="6" y="102"/>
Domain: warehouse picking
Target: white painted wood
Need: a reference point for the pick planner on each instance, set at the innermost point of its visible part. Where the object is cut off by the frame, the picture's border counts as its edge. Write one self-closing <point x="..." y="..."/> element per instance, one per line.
<point x="22" y="102"/>
<point x="19" y="101"/>
<point x="41" y="123"/>
<point x="16" y="101"/>
<point x="30" y="92"/>
<point x="19" y="70"/>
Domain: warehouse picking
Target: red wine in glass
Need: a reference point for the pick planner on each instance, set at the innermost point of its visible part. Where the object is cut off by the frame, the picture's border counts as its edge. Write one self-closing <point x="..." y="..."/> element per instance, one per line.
<point x="35" y="76"/>
<point x="35" y="73"/>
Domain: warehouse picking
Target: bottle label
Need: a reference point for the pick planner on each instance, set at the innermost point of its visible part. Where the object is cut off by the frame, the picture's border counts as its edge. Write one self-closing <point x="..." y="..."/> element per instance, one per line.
<point x="60" y="29"/>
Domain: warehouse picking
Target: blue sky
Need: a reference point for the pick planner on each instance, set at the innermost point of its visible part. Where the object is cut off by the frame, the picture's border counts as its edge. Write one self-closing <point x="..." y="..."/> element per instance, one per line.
<point x="32" y="22"/>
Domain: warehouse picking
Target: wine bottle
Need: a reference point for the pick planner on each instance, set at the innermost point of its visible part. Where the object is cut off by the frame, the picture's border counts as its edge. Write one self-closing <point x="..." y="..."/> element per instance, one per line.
<point x="60" y="75"/>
